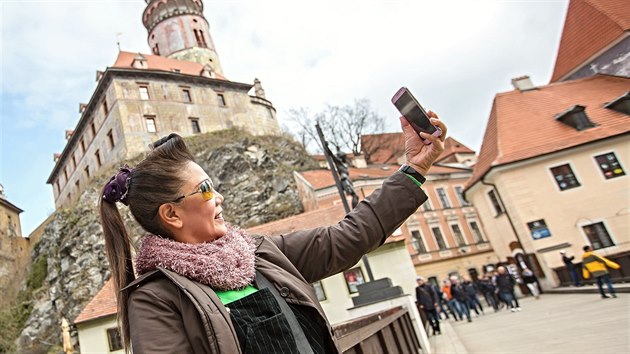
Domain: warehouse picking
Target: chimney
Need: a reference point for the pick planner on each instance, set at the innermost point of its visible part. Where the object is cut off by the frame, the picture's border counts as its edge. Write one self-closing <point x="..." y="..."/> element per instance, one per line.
<point x="523" y="83"/>
<point x="99" y="75"/>
<point x="82" y="107"/>
<point x="69" y="134"/>
<point x="56" y="157"/>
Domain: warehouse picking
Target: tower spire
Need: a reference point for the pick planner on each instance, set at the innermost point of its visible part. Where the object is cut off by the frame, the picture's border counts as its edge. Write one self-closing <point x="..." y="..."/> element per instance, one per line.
<point x="177" y="29"/>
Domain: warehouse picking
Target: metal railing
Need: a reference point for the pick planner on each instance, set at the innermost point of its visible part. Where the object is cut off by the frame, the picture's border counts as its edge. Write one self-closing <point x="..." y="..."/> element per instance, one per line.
<point x="389" y="331"/>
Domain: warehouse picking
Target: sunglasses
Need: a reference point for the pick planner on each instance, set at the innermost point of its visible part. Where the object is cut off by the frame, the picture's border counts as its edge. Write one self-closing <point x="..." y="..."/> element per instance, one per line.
<point x="206" y="188"/>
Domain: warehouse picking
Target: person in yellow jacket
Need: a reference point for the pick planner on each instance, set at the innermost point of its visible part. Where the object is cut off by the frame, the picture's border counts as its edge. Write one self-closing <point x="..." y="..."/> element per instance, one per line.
<point x="597" y="266"/>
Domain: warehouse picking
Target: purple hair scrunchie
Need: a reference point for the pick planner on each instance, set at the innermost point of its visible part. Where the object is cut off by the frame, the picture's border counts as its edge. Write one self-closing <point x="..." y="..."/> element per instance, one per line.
<point x="116" y="189"/>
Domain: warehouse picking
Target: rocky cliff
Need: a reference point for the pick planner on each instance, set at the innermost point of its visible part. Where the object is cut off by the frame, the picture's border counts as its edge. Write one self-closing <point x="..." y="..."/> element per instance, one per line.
<point x="253" y="173"/>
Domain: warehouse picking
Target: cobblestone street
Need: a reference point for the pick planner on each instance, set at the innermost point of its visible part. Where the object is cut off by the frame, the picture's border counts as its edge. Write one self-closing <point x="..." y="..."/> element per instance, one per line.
<point x="575" y="323"/>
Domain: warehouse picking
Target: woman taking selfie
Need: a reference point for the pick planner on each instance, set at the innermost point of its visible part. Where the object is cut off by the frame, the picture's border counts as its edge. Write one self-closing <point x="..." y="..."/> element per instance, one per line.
<point x="204" y="286"/>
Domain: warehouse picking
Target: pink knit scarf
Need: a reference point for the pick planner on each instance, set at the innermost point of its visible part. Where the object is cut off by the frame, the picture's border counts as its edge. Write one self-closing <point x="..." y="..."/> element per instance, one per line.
<point x="223" y="264"/>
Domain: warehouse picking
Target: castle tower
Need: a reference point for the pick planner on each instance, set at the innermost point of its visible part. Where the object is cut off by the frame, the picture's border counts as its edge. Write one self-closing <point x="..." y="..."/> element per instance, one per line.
<point x="178" y="30"/>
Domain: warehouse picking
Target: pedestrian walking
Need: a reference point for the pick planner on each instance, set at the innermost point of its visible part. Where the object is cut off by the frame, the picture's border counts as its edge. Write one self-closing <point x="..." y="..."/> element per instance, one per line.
<point x="597" y="266"/>
<point x="487" y="289"/>
<point x="460" y="297"/>
<point x="530" y="280"/>
<point x="450" y="301"/>
<point x="568" y="262"/>
<point x="427" y="301"/>
<point x="505" y="282"/>
<point x="471" y="292"/>
<point x="441" y="302"/>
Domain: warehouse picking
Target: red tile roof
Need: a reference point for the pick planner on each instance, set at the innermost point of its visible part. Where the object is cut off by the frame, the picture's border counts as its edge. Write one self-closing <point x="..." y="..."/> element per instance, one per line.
<point x="159" y="63"/>
<point x="101" y="305"/>
<point x="312" y="219"/>
<point x="522" y="124"/>
<point x="388" y="147"/>
<point x="323" y="178"/>
<point x="383" y="148"/>
<point x="590" y="26"/>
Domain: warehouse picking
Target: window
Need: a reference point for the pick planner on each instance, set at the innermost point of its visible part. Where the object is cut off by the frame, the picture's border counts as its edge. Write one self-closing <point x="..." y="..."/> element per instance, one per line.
<point x="439" y="238"/>
<point x="186" y="94"/>
<point x="598" y="235"/>
<point x="151" y="124"/>
<point x="319" y="290"/>
<point x="74" y="161"/>
<point x="427" y="206"/>
<point x="105" y="108"/>
<point x="477" y="235"/>
<point x="609" y="165"/>
<point x="76" y="185"/>
<point x="194" y="124"/>
<point x="83" y="146"/>
<point x="459" y="190"/>
<point x="564" y="177"/>
<point x="156" y="49"/>
<point x="110" y="135"/>
<point x="144" y="92"/>
<point x="87" y="171"/>
<point x="353" y="278"/>
<point x="58" y="187"/>
<point x="114" y="339"/>
<point x="93" y="130"/>
<point x="443" y="198"/>
<point x="221" y="98"/>
<point x="417" y="242"/>
<point x="498" y="208"/>
<point x="457" y="233"/>
<point x="65" y="173"/>
<point x="97" y="154"/>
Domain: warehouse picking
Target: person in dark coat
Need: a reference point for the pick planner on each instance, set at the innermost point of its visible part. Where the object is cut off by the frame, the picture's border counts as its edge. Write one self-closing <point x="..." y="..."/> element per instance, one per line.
<point x="504" y="283"/>
<point x="568" y="262"/>
<point x="427" y="301"/>
<point x="531" y="281"/>
<point x="487" y="289"/>
<point x="461" y="298"/>
<point x="471" y="292"/>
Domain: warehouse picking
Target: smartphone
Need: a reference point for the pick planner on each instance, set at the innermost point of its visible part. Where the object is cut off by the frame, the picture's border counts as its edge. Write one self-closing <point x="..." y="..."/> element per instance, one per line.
<point x="409" y="107"/>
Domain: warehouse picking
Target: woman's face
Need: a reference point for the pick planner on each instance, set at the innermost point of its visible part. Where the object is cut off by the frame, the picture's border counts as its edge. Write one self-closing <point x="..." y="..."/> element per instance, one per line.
<point x="201" y="220"/>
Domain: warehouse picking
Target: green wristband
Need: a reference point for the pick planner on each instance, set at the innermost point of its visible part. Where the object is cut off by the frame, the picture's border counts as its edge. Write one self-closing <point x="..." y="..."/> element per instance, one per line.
<point x="414" y="180"/>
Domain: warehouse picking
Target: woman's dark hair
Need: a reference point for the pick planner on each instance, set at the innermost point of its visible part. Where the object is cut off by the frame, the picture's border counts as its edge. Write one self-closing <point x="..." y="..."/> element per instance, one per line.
<point x="154" y="181"/>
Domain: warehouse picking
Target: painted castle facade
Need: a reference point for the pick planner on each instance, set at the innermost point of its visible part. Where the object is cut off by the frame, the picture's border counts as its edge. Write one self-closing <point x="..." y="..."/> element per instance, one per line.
<point x="179" y="88"/>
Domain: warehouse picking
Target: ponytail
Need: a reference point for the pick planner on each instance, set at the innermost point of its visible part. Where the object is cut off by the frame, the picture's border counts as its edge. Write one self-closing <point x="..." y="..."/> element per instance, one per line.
<point x="118" y="248"/>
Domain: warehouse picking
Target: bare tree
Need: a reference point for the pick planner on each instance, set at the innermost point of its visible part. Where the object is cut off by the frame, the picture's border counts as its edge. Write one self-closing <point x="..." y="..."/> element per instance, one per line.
<point x="342" y="126"/>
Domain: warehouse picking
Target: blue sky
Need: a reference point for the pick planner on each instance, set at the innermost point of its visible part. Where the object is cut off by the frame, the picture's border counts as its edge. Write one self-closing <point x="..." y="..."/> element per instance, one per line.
<point x="453" y="55"/>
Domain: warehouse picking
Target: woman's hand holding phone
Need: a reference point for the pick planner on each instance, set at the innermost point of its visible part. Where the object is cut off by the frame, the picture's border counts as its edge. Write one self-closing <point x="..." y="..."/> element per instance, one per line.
<point x="419" y="155"/>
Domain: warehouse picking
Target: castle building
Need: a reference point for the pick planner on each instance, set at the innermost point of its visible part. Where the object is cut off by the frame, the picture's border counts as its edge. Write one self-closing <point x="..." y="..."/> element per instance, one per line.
<point x="15" y="250"/>
<point x="180" y="88"/>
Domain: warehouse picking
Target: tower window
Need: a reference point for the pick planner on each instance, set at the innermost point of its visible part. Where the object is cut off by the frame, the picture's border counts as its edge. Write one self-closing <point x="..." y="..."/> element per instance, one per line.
<point x="221" y="98"/>
<point x="150" y="121"/>
<point x="83" y="146"/>
<point x="97" y="154"/>
<point x="498" y="208"/>
<point x="156" y="49"/>
<point x="200" y="39"/>
<point x="74" y="161"/>
<point x="87" y="171"/>
<point x="443" y="198"/>
<point x="144" y="92"/>
<point x="609" y="165"/>
<point x="564" y="176"/>
<point x="110" y="135"/>
<point x="105" y="108"/>
<point x="186" y="95"/>
<point x="417" y="242"/>
<point x="457" y="233"/>
<point x="194" y="123"/>
<point x="93" y="126"/>
<point x="437" y="233"/>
